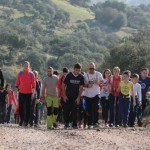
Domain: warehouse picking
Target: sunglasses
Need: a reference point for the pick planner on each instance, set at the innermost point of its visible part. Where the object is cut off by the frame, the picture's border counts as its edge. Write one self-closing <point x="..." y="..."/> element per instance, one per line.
<point x="91" y="69"/>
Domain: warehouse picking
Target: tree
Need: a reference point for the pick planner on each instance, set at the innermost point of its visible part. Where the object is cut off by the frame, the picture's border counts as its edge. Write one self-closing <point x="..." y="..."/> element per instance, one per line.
<point x="132" y="53"/>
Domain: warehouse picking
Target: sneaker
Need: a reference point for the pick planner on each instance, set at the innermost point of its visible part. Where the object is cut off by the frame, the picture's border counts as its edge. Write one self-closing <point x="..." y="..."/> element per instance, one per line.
<point x="140" y="123"/>
<point x="125" y="125"/>
<point x="117" y="126"/>
<point x="20" y="124"/>
<point x="96" y="125"/>
<point x="55" y="125"/>
<point x="75" y="127"/>
<point x="66" y="126"/>
<point x="90" y="127"/>
<point x="111" y="125"/>
<point x="50" y="128"/>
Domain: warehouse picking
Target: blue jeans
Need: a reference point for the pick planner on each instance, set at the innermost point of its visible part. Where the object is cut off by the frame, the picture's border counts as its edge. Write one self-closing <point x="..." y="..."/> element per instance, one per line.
<point x="124" y="109"/>
<point x="9" y="108"/>
<point x="133" y="112"/>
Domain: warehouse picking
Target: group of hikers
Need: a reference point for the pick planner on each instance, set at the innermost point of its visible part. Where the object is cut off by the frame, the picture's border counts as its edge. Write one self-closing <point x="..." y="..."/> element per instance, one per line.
<point x="76" y="98"/>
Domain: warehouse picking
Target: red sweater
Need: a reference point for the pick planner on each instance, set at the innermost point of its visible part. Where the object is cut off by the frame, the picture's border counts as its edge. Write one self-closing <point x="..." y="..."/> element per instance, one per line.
<point x="25" y="82"/>
<point x="11" y="97"/>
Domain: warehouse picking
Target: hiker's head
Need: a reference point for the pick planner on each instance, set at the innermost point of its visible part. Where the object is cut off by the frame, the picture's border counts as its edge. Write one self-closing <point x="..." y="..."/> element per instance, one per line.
<point x="56" y="73"/>
<point x="50" y="71"/>
<point x="144" y="72"/>
<point x="35" y="74"/>
<point x="106" y="73"/>
<point x="129" y="73"/>
<point x="77" y="68"/>
<point x="26" y="66"/>
<point x="65" y="70"/>
<point x="91" y="67"/>
<point x="116" y="71"/>
<point x="8" y="87"/>
<point x="126" y="75"/>
<point x="135" y="78"/>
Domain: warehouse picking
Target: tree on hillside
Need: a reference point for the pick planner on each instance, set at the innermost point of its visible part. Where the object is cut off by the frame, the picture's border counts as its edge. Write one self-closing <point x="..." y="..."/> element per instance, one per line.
<point x="132" y="53"/>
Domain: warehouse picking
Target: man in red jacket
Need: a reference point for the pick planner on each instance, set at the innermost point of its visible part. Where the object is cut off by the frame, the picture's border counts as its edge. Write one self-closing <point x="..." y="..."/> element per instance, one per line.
<point x="25" y="83"/>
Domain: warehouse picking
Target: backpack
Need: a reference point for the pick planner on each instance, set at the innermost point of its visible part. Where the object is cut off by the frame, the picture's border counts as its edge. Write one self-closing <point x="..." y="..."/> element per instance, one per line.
<point x="21" y="72"/>
<point x="112" y="78"/>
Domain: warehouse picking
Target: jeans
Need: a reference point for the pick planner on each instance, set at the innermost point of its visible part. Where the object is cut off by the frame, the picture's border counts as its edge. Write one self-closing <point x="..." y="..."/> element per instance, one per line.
<point x="9" y="108"/>
<point x="141" y="109"/>
<point x="124" y="109"/>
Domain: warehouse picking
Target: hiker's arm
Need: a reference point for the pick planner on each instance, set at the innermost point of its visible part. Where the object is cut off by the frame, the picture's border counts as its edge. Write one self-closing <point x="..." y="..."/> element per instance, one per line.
<point x="119" y="88"/>
<point x="133" y="95"/>
<point x="17" y="82"/>
<point x="64" y="91"/>
<point x="2" y="78"/>
<point x="14" y="99"/>
<point x="139" y="95"/>
<point x="43" y="92"/>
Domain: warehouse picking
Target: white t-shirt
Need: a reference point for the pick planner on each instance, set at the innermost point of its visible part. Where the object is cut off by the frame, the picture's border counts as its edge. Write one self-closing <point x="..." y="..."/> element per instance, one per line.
<point x="104" y="91"/>
<point x="137" y="91"/>
<point x="95" y="89"/>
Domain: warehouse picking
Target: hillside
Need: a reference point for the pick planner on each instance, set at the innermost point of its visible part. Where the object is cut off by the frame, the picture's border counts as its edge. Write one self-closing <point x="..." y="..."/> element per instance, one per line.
<point x="62" y="32"/>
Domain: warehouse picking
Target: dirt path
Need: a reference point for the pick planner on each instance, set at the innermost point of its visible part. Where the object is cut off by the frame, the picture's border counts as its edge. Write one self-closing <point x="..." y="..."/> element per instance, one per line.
<point x="15" y="138"/>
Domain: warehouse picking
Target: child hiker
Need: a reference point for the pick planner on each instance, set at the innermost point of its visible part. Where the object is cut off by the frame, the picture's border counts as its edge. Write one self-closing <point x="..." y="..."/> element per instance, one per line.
<point x="125" y="87"/>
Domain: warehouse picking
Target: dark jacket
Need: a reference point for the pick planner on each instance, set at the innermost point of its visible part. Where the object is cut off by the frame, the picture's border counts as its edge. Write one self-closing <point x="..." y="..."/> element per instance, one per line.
<point x="1" y="79"/>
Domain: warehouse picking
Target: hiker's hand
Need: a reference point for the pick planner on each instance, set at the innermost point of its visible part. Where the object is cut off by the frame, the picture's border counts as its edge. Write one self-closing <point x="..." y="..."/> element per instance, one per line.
<point x="59" y="102"/>
<point x="42" y="99"/>
<point x="134" y="103"/>
<point x="78" y="101"/>
<point x="37" y="101"/>
<point x="140" y="103"/>
<point x="65" y="98"/>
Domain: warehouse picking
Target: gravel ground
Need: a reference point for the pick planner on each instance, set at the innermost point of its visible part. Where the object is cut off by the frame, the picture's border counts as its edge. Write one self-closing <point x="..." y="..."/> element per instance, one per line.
<point x="13" y="137"/>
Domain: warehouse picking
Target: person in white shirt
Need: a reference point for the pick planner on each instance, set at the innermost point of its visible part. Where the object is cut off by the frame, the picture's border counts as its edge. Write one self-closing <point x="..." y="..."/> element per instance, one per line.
<point x="92" y="81"/>
<point x="138" y="96"/>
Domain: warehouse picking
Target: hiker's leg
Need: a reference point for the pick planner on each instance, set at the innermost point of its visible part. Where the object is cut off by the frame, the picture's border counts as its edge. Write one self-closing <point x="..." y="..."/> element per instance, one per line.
<point x="96" y="109"/>
<point x="117" y="111"/>
<point x="67" y="112"/>
<point x="32" y="112"/>
<point x="131" y="114"/>
<point x="74" y="113"/>
<point x="121" y="113"/>
<point x="36" y="119"/>
<point x="55" y="107"/>
<point x="103" y="104"/>
<point x="8" y="113"/>
<point x="49" y="112"/>
<point x="127" y="102"/>
<point x="28" y="107"/>
<point x="89" y="110"/>
<point x="111" y="109"/>
<point x="21" y="108"/>
<point x="106" y="110"/>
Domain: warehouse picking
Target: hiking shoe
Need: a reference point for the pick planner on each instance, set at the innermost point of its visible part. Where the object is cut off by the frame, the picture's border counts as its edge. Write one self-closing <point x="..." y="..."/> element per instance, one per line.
<point x="140" y="123"/>
<point x="55" y="125"/>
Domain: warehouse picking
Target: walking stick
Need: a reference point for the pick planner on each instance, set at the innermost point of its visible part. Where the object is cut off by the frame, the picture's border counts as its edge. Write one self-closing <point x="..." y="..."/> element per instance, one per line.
<point x="115" y="106"/>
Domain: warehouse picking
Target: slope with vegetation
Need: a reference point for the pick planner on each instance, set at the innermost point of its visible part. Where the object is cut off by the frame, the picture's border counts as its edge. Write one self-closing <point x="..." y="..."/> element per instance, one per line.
<point x="62" y="32"/>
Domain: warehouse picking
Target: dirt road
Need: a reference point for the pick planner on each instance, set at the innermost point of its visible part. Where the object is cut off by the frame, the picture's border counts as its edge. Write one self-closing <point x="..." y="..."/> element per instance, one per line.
<point x="14" y="138"/>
